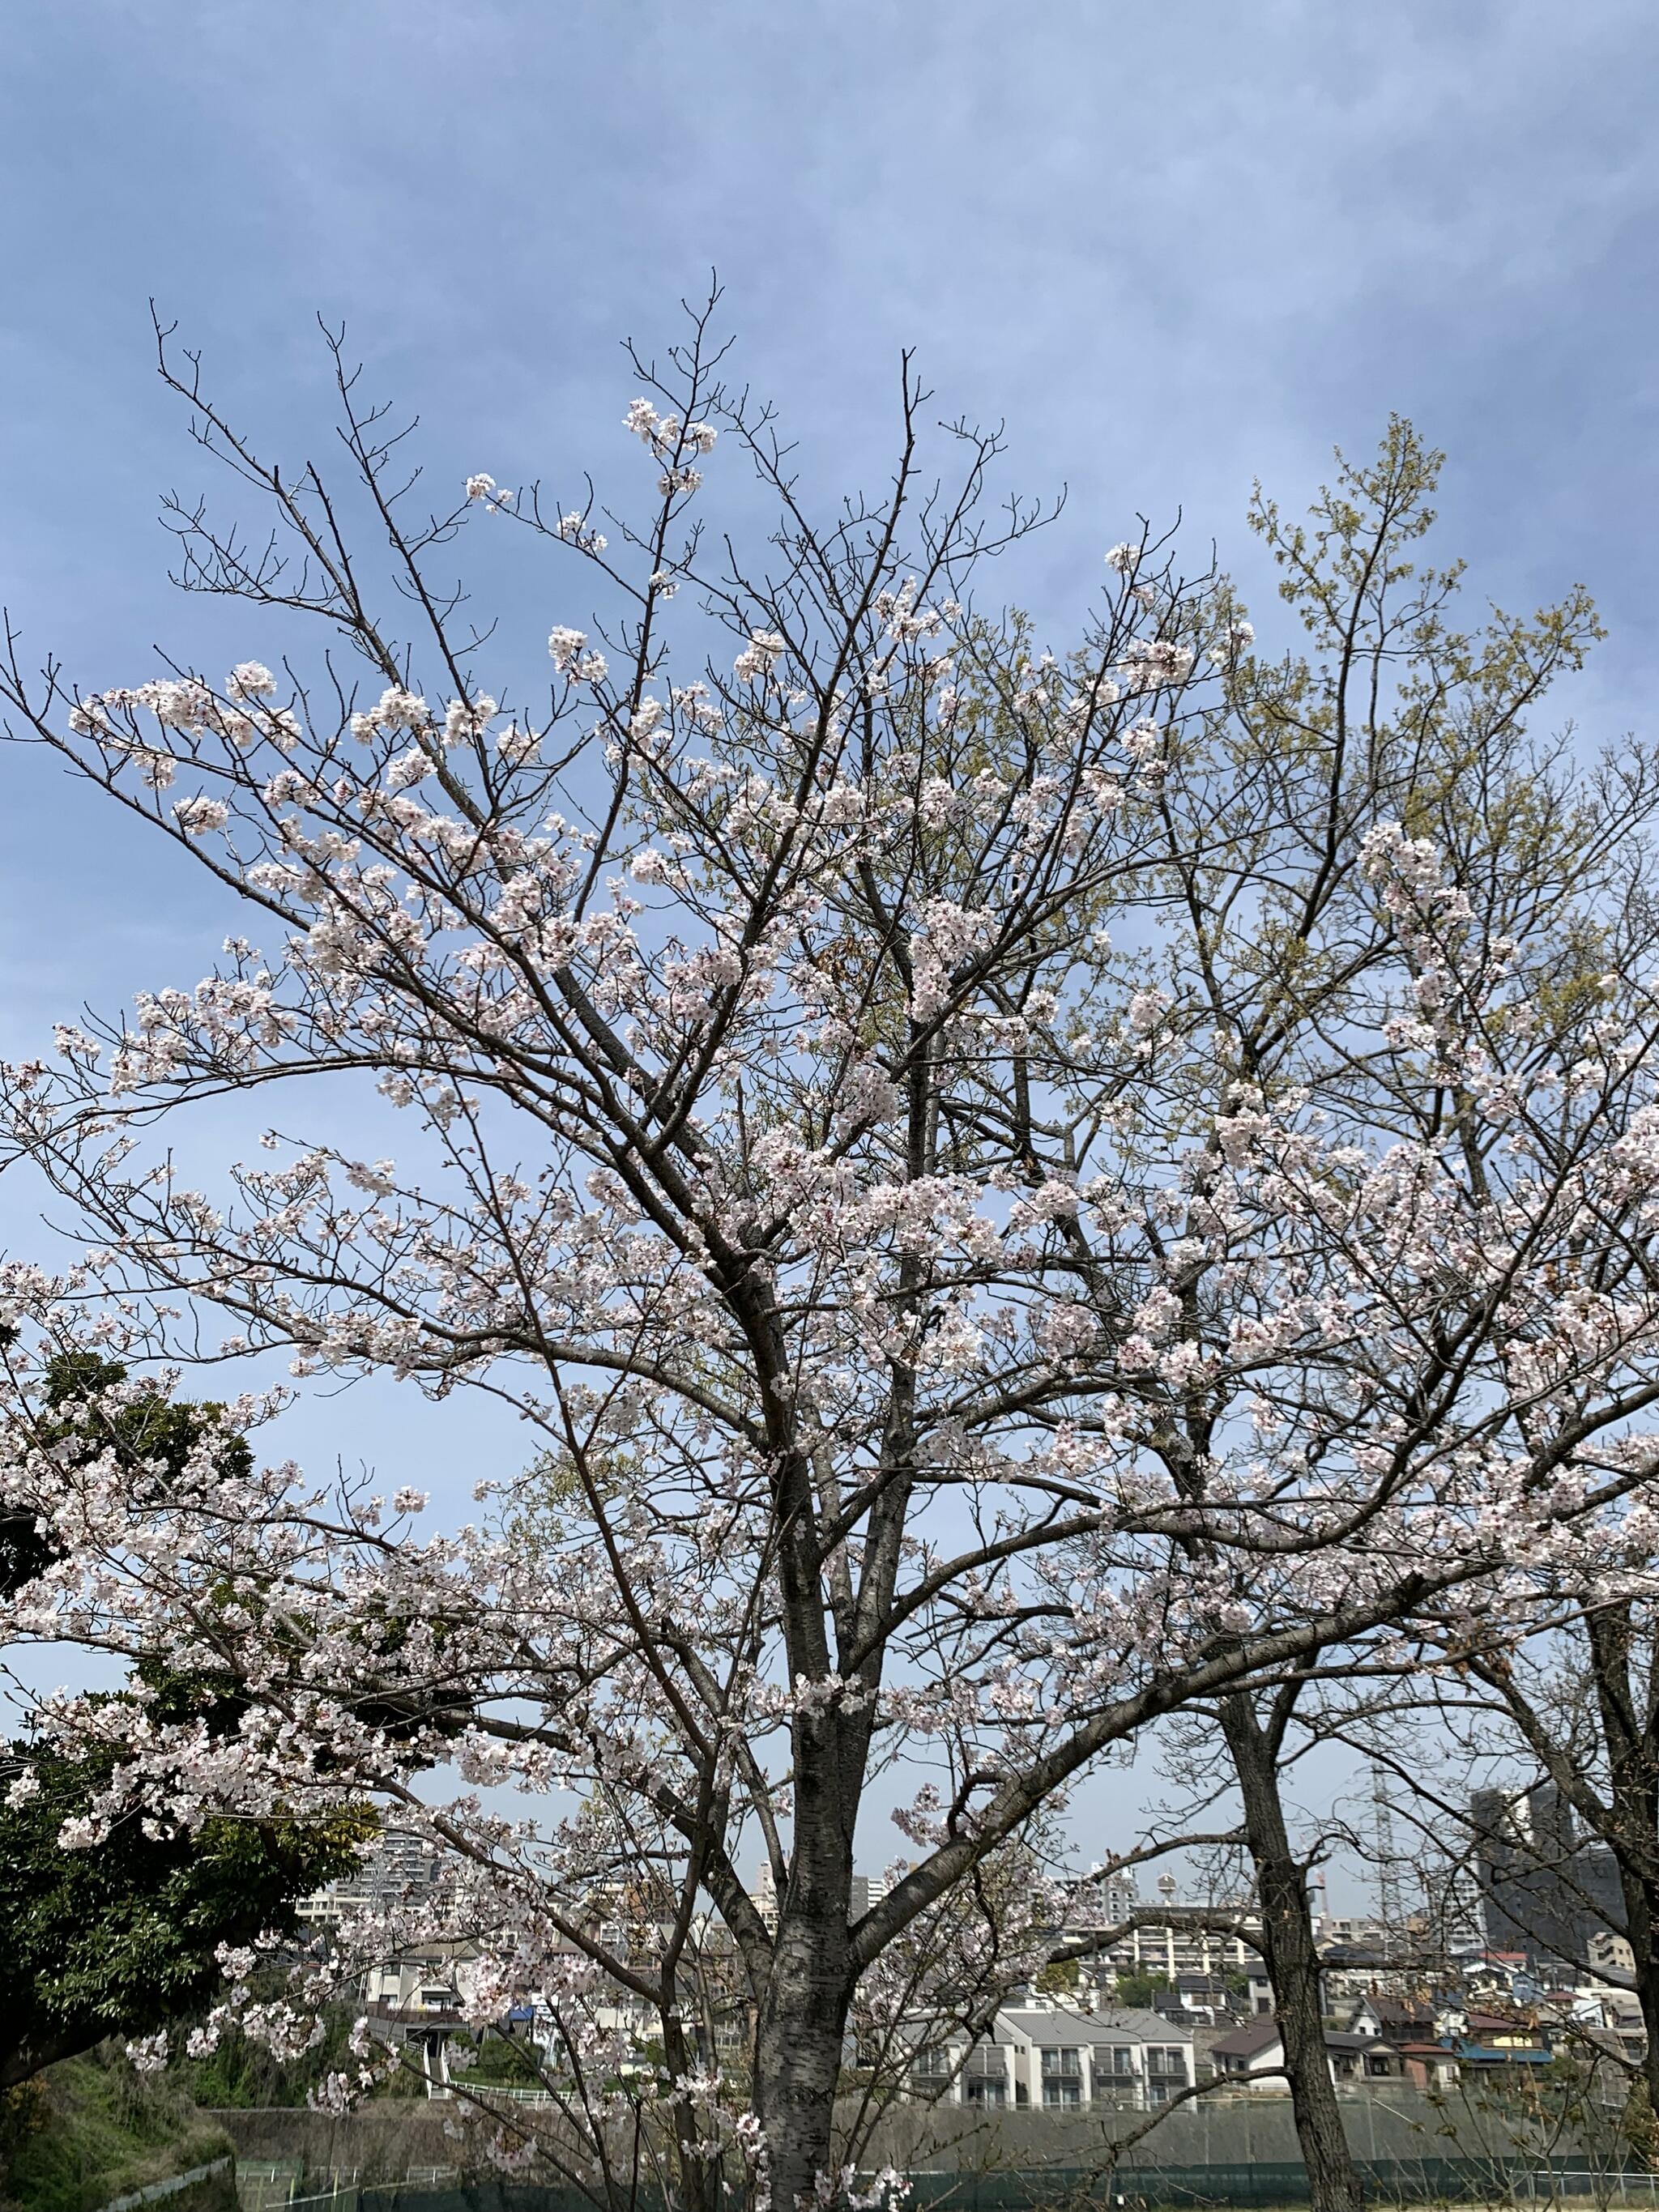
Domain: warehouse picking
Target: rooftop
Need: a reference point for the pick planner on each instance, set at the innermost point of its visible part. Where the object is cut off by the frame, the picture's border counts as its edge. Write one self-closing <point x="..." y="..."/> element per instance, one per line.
<point x="1249" y="2041"/>
<point x="1111" y="2024"/>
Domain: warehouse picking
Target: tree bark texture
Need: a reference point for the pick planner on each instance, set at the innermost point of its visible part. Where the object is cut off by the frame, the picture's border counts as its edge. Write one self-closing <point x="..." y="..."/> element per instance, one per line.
<point x="806" y="1998"/>
<point x="797" y="2053"/>
<point x="1293" y="1964"/>
<point x="1628" y="1709"/>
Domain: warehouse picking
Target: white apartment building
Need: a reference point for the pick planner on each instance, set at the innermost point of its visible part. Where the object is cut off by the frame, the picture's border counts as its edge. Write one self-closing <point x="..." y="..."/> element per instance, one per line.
<point x="1054" y="2058"/>
<point x="1175" y="1939"/>
<point x="399" y="1870"/>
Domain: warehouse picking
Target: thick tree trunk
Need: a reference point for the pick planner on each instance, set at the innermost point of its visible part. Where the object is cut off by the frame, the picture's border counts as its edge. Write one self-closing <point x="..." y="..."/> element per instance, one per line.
<point x="797" y="2052"/>
<point x="1293" y="1964"/>
<point x="1639" y="1916"/>
<point x="1629" y="1716"/>
<point x="807" y="1997"/>
<point x="1634" y="1826"/>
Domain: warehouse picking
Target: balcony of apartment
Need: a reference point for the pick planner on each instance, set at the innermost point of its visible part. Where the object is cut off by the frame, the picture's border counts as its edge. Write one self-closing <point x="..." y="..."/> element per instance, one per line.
<point x="1062" y="2077"/>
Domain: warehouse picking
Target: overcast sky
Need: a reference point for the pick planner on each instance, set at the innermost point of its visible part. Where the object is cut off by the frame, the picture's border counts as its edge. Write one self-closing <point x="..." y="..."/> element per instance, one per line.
<point x="1175" y="247"/>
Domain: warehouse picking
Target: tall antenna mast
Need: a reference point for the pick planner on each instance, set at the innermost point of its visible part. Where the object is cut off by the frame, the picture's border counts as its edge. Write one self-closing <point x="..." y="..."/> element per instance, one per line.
<point x="1390" y="1893"/>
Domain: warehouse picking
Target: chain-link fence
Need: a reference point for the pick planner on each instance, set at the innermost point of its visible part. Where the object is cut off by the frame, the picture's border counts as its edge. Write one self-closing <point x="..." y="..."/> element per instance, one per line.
<point x="1256" y="2187"/>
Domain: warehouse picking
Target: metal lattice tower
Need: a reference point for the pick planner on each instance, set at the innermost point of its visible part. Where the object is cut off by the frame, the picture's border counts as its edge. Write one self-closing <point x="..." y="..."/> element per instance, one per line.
<point x="1390" y="1892"/>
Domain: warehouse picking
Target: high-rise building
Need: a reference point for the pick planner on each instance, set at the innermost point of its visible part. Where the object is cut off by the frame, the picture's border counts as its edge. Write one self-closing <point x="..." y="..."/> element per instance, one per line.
<point x="1545" y="1890"/>
<point x="399" y="1871"/>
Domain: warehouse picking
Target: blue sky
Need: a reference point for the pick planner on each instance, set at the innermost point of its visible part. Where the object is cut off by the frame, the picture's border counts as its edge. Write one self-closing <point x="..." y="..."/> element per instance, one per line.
<point x="1174" y="247"/>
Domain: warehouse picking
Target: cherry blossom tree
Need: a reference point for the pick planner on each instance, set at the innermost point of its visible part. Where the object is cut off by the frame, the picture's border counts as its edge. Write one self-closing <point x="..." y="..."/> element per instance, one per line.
<point x="1389" y="708"/>
<point x="951" y="1334"/>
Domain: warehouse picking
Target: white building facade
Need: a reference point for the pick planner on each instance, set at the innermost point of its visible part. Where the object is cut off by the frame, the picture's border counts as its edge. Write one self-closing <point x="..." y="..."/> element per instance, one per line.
<point x="1056" y="2058"/>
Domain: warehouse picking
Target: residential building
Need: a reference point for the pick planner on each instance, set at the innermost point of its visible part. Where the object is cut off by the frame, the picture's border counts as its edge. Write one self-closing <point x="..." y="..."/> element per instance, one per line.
<point x="1545" y="1890"/>
<point x="1361" y="2059"/>
<point x="1180" y="1936"/>
<point x="400" y="1870"/>
<point x="1611" y="1955"/>
<point x="422" y="1986"/>
<point x="1252" y="2056"/>
<point x="1056" y="2058"/>
<point x="1210" y="1996"/>
<point x="1426" y="2065"/>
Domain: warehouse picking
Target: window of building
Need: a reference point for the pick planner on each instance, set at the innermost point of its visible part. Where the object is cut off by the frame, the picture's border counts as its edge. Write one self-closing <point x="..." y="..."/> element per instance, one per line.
<point x="1166" y="2072"/>
<point x="984" y="2076"/>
